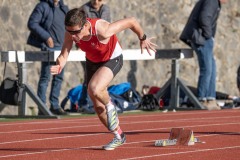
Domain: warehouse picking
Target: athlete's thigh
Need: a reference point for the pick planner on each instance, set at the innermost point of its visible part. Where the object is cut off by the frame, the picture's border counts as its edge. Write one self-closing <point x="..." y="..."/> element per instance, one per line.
<point x="102" y="78"/>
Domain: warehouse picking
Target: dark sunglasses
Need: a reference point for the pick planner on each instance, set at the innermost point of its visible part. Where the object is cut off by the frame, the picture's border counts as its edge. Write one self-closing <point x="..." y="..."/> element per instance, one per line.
<point x="74" y="32"/>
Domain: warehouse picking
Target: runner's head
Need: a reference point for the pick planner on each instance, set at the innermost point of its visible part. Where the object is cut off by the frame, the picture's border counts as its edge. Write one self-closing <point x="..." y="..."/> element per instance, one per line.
<point x="75" y="21"/>
<point x="75" y="17"/>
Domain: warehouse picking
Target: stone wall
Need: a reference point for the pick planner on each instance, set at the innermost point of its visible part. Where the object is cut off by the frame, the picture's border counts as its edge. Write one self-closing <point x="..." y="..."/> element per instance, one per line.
<point x="159" y="18"/>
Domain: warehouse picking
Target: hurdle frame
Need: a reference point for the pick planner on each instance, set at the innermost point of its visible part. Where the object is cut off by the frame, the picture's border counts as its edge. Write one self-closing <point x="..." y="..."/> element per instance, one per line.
<point x="21" y="57"/>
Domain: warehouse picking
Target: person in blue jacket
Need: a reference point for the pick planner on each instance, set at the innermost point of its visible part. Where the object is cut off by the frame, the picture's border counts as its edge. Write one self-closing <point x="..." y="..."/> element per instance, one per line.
<point x="47" y="29"/>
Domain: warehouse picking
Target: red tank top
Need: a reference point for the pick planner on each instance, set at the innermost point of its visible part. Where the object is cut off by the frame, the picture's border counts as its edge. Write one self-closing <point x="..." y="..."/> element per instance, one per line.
<point x="95" y="50"/>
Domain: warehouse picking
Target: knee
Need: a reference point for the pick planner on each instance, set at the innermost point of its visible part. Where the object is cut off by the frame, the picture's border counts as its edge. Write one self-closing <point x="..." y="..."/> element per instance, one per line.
<point x="94" y="91"/>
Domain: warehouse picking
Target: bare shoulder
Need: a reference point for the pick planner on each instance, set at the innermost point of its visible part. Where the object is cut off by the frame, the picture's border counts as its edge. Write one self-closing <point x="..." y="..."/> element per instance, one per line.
<point x="101" y="25"/>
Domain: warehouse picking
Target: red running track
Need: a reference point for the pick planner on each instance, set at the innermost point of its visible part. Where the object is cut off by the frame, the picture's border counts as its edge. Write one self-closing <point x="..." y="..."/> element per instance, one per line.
<point x="82" y="138"/>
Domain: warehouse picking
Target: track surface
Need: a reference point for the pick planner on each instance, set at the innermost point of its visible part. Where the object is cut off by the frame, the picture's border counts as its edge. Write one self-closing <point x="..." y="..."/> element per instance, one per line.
<point x="82" y="138"/>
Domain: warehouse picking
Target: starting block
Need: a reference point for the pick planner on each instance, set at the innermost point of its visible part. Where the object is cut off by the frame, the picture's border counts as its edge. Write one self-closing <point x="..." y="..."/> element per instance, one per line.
<point x="186" y="137"/>
<point x="178" y="136"/>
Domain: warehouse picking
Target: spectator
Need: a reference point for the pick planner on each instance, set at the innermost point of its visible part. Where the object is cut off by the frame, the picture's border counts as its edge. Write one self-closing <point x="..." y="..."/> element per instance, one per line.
<point x="238" y="79"/>
<point x="199" y="34"/>
<point x="103" y="61"/>
<point x="46" y="25"/>
<point x="97" y="9"/>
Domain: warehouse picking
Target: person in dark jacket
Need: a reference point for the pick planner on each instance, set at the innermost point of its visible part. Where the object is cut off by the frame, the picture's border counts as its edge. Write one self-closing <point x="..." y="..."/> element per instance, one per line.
<point x="199" y="34"/>
<point x="238" y="79"/>
<point x="46" y="25"/>
<point x="97" y="9"/>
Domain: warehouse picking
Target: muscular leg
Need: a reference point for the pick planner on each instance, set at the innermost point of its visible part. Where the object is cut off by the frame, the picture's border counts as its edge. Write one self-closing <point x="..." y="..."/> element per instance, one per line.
<point x="97" y="90"/>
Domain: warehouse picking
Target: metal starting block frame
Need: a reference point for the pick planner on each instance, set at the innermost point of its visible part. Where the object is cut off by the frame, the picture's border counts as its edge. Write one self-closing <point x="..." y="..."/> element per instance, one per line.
<point x="178" y="136"/>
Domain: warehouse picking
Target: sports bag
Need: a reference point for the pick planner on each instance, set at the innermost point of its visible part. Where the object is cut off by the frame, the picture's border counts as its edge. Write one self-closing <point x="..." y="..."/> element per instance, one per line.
<point x="148" y="103"/>
<point x="9" y="92"/>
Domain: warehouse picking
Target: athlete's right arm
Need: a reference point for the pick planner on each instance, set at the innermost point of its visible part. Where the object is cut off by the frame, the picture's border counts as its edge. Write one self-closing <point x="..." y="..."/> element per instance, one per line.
<point x="62" y="58"/>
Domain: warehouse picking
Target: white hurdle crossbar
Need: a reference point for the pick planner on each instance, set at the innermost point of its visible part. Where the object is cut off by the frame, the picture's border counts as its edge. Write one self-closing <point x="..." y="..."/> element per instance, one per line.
<point x="21" y="57"/>
<point x="78" y="55"/>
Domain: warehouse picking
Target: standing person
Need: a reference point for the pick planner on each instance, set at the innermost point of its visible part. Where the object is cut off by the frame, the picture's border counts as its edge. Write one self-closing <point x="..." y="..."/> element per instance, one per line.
<point x="97" y="9"/>
<point x="199" y="34"/>
<point x="238" y="79"/>
<point x="46" y="24"/>
<point x="104" y="60"/>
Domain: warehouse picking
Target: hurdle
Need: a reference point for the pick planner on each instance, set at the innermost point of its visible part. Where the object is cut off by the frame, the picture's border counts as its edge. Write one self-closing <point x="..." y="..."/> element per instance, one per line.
<point x="22" y="57"/>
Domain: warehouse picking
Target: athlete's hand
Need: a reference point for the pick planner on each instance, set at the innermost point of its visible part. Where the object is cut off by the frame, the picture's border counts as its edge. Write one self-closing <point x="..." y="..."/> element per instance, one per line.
<point x="148" y="45"/>
<point x="60" y="63"/>
<point x="55" y="69"/>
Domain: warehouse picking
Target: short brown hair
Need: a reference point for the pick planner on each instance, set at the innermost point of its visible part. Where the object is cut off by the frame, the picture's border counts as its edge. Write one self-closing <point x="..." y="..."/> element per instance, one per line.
<point x="74" y="17"/>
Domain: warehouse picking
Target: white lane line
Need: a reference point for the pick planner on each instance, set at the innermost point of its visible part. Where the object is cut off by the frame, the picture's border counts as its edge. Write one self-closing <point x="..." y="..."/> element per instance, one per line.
<point x="159" y="114"/>
<point x="125" y="123"/>
<point x="94" y="134"/>
<point x="52" y="138"/>
<point x="47" y="151"/>
<point x="40" y="121"/>
<point x="55" y="128"/>
<point x="178" y="153"/>
<point x="137" y="142"/>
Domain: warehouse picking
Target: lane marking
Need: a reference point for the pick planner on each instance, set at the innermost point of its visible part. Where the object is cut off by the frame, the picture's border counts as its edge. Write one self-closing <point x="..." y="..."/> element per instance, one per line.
<point x="94" y="134"/>
<point x="137" y="142"/>
<point x="202" y="150"/>
<point x="122" y="122"/>
<point x="178" y="153"/>
<point x="121" y="117"/>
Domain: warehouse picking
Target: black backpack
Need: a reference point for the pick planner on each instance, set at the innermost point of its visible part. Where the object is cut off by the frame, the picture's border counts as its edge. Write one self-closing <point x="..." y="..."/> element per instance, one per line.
<point x="149" y="103"/>
<point x="9" y="92"/>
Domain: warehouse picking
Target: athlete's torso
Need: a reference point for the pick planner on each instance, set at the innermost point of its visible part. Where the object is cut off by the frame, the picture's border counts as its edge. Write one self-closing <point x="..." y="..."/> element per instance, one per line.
<point x="97" y="51"/>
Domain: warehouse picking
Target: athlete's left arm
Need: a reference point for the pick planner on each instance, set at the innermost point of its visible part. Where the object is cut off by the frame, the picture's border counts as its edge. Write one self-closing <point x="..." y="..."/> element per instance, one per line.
<point x="106" y="29"/>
